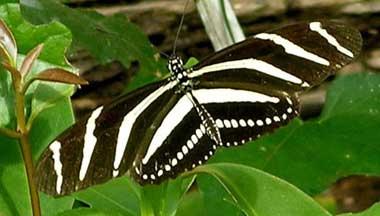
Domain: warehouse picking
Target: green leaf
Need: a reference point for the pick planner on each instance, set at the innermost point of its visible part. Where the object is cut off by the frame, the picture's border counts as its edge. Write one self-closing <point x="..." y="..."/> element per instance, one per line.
<point x="90" y="212"/>
<point x="165" y="198"/>
<point x="373" y="211"/>
<point x="120" y="195"/>
<point x="14" y="197"/>
<point x="192" y="204"/>
<point x="258" y="193"/>
<point x="56" y="39"/>
<point x="121" y="40"/>
<point x="312" y="155"/>
<point x="126" y="197"/>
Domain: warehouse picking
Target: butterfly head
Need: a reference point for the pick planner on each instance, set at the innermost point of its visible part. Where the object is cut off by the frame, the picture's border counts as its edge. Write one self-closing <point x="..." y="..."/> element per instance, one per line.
<point x="175" y="65"/>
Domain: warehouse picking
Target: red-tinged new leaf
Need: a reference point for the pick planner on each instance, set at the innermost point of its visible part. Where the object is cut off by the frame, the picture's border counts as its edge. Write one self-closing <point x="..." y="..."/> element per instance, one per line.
<point x="60" y="75"/>
<point x="29" y="59"/>
<point x="7" y="44"/>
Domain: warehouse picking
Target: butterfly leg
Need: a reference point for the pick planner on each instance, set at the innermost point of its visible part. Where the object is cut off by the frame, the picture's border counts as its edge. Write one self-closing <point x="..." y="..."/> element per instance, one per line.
<point x="207" y="121"/>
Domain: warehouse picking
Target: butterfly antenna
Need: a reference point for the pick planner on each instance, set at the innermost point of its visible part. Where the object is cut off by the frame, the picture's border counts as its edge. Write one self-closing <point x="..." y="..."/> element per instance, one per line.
<point x="164" y="54"/>
<point x="180" y="27"/>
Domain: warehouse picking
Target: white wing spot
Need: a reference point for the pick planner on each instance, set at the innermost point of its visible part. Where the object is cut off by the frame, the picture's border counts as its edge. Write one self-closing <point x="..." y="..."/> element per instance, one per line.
<point x="199" y="133"/>
<point x="152" y="176"/>
<point x="159" y="173"/>
<point x="219" y="123"/>
<point x="167" y="167"/>
<point x="145" y="176"/>
<point x="203" y="129"/>
<point x="276" y="119"/>
<point x="284" y="116"/>
<point x="234" y="123"/>
<point x="259" y="122"/>
<point x="194" y="139"/>
<point x="227" y="123"/>
<point x="251" y="123"/>
<point x="179" y="155"/>
<point x="174" y="162"/>
<point x="184" y="150"/>
<point x="268" y="121"/>
<point x="242" y="123"/>
<point x="289" y="110"/>
<point x="190" y="144"/>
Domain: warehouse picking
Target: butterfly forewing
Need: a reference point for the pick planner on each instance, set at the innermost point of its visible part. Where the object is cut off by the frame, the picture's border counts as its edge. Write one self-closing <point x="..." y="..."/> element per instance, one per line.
<point x="291" y="58"/>
<point x="85" y="153"/>
<point x="169" y="127"/>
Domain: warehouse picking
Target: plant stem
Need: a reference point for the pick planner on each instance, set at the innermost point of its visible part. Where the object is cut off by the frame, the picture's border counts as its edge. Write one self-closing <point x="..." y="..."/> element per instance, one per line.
<point x="9" y="133"/>
<point x="25" y="145"/>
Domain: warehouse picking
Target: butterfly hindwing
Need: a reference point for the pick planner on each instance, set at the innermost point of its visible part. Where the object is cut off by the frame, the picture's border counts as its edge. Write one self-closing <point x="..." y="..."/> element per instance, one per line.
<point x="241" y="121"/>
<point x="179" y="144"/>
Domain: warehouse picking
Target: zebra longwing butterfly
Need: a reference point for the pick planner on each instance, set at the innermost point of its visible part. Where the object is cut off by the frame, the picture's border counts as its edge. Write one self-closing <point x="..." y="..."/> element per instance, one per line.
<point x="163" y="129"/>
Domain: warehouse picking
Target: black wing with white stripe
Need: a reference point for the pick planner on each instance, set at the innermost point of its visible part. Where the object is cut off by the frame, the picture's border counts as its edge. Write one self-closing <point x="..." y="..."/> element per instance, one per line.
<point x="240" y="121"/>
<point x="166" y="128"/>
<point x="179" y="145"/>
<point x="94" y="149"/>
<point x="290" y="58"/>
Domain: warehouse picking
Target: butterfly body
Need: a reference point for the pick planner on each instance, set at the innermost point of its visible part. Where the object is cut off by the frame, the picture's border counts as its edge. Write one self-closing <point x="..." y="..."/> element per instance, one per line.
<point x="171" y="126"/>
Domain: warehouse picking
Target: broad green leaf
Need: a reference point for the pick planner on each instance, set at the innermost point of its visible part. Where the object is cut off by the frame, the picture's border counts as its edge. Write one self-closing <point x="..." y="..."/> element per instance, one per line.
<point x="126" y="197"/>
<point x="52" y="119"/>
<point x="373" y="211"/>
<point x="165" y="198"/>
<point x="121" y="195"/>
<point x="120" y="39"/>
<point x="192" y="204"/>
<point x="56" y="39"/>
<point x="312" y="155"/>
<point x="14" y="197"/>
<point x="258" y="193"/>
<point x="91" y="212"/>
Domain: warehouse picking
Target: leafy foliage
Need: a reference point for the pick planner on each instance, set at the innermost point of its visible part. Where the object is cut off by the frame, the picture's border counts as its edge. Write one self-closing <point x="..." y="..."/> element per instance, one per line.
<point x="254" y="191"/>
<point x="314" y="154"/>
<point x="121" y="40"/>
<point x="310" y="155"/>
<point x="14" y="198"/>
